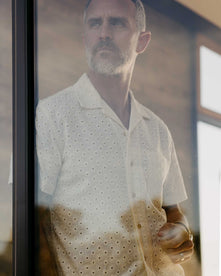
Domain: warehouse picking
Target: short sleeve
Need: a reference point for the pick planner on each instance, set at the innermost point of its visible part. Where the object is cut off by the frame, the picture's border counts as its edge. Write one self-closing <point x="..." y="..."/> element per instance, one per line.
<point x="48" y="153"/>
<point x="174" y="190"/>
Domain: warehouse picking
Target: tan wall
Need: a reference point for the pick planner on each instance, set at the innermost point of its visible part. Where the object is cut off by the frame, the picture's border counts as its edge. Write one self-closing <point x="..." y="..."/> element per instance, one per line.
<point x="209" y="9"/>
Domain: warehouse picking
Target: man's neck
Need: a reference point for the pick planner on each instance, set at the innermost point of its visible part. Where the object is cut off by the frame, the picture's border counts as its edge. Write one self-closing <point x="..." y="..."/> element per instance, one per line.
<point x="114" y="90"/>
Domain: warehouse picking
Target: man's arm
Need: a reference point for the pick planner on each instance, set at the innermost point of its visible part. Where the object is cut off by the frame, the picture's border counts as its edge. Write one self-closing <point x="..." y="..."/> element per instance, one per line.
<point x="175" y="237"/>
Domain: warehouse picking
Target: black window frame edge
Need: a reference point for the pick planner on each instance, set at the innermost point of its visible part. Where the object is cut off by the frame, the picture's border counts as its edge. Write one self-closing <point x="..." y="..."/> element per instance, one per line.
<point x="24" y="101"/>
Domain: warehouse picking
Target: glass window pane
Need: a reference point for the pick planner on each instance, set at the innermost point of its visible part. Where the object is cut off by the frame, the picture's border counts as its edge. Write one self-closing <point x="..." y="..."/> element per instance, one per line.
<point x="209" y="147"/>
<point x="105" y="176"/>
<point x="210" y="67"/>
<point x="5" y="138"/>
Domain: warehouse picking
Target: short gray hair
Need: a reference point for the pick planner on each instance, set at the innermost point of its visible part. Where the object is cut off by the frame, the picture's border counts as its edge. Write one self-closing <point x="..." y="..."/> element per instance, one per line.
<point x="140" y="14"/>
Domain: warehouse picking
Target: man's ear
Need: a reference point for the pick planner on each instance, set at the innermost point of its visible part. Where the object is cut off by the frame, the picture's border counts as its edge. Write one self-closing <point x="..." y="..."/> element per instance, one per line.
<point x="143" y="41"/>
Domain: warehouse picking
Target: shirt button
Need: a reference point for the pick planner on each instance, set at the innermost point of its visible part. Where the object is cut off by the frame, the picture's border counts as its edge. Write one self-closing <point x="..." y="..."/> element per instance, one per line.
<point x="139" y="225"/>
<point x="131" y="163"/>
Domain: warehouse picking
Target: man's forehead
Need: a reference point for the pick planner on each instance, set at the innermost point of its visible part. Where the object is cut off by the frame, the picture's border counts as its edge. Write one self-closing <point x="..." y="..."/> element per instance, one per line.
<point x="113" y="8"/>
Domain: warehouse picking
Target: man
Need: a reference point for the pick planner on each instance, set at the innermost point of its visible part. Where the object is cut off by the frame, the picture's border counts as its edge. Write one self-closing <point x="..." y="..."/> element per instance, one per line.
<point x="108" y="164"/>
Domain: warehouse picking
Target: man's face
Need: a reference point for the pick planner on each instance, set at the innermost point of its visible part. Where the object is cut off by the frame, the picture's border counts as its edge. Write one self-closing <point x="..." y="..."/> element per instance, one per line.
<point x="111" y="35"/>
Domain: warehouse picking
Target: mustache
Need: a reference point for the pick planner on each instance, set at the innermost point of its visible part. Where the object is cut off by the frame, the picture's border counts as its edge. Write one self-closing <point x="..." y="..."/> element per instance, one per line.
<point x="105" y="43"/>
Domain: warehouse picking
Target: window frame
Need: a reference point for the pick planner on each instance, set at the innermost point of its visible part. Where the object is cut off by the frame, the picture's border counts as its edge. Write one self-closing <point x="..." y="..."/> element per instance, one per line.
<point x="24" y="80"/>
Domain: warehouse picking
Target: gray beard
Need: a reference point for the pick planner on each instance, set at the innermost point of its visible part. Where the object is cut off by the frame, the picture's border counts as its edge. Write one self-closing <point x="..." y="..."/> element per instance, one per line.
<point x="107" y="67"/>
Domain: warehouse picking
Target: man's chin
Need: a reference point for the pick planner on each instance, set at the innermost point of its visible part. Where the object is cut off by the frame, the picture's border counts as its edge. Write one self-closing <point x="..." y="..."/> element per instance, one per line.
<point x="106" y="69"/>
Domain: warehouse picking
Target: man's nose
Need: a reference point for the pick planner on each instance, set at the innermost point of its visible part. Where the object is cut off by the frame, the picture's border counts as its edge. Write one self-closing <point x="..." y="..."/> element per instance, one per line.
<point x="105" y="31"/>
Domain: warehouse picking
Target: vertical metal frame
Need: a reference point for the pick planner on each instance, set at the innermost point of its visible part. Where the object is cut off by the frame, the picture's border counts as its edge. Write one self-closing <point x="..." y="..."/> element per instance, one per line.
<point x="23" y="136"/>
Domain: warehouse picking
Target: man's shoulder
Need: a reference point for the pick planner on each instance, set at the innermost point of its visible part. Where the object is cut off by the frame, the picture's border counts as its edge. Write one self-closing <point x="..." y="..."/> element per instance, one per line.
<point x="62" y="100"/>
<point x="61" y="97"/>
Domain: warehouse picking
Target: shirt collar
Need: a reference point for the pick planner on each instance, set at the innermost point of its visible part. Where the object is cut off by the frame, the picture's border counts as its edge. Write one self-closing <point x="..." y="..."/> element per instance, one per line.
<point x="89" y="98"/>
<point x="138" y="108"/>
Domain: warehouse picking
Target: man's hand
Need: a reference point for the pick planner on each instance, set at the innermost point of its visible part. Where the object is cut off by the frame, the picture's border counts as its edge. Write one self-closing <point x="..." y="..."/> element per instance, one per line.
<point x="174" y="238"/>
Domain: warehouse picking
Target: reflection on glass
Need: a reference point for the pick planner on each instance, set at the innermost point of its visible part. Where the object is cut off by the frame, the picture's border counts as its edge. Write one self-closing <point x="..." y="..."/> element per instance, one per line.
<point x="109" y="179"/>
<point x="209" y="138"/>
<point x="5" y="139"/>
<point x="210" y="67"/>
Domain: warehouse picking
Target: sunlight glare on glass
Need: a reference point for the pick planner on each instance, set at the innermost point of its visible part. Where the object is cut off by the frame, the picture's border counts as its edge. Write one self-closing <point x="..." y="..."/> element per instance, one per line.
<point x="209" y="148"/>
<point x="210" y="79"/>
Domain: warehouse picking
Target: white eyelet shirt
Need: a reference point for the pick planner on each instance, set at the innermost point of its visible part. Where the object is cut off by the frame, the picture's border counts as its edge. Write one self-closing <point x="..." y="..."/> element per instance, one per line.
<point x="108" y="184"/>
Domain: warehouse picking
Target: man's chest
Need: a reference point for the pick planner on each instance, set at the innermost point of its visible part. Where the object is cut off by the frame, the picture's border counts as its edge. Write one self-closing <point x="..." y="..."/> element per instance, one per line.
<point x="103" y="161"/>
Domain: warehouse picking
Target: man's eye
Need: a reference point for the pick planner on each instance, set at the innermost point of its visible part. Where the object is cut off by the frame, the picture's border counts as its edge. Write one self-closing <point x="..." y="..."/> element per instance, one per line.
<point x="117" y="23"/>
<point x="94" y="24"/>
